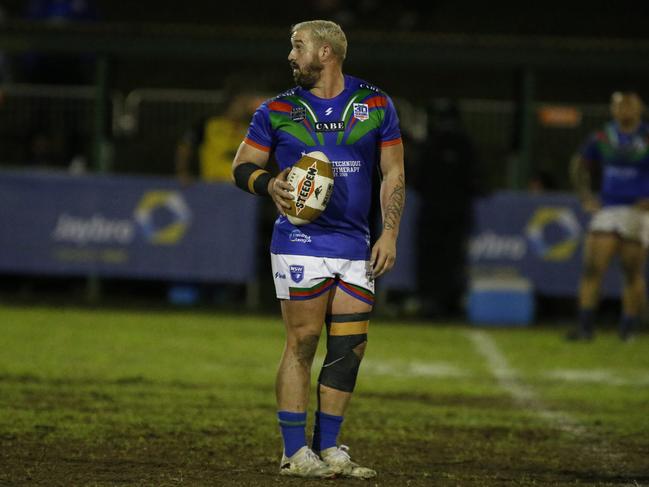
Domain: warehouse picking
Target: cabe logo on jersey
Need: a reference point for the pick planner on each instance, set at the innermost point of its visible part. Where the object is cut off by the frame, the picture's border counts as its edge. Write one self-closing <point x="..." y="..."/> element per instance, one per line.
<point x="330" y="126"/>
<point x="297" y="272"/>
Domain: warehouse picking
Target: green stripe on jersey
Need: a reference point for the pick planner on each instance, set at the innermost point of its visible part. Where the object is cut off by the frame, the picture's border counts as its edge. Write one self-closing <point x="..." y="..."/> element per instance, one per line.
<point x="362" y="128"/>
<point x="310" y="115"/>
<point x="283" y="122"/>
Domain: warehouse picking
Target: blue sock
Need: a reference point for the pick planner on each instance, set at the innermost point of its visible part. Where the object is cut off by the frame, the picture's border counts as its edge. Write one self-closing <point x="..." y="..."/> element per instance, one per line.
<point x="293" y="427"/>
<point x="586" y="319"/>
<point x="325" y="430"/>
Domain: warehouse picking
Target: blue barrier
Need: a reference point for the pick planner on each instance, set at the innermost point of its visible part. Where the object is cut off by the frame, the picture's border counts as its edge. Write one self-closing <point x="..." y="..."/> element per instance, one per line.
<point x="538" y="237"/>
<point x="152" y="228"/>
<point x="133" y="227"/>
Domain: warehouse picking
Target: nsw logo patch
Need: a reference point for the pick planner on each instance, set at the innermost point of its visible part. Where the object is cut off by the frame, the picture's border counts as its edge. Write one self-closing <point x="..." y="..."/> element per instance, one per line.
<point x="297" y="272"/>
<point x="361" y="111"/>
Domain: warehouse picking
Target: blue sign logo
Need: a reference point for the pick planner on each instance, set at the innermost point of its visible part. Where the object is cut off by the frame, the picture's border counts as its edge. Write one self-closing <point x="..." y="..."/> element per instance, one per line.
<point x="297" y="272"/>
<point x="163" y="216"/>
<point x="554" y="233"/>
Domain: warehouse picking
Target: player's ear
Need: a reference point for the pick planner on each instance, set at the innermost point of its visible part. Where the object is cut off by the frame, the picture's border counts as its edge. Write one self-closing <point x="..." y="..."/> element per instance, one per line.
<point x="325" y="52"/>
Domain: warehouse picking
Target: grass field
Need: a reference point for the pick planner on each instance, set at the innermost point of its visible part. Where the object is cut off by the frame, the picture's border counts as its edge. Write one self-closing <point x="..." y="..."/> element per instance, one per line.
<point x="180" y="398"/>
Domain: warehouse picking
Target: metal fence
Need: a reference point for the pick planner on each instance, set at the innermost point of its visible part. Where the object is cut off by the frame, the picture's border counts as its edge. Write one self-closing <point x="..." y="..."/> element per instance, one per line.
<point x="147" y="124"/>
<point x="51" y="125"/>
<point x="45" y="125"/>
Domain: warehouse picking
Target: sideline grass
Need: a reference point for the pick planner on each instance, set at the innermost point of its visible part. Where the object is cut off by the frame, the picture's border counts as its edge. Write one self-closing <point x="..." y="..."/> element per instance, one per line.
<point x="175" y="398"/>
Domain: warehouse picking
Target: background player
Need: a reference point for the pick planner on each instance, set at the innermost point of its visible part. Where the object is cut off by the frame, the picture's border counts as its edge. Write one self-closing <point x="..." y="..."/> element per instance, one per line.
<point x="615" y="163"/>
<point x="324" y="271"/>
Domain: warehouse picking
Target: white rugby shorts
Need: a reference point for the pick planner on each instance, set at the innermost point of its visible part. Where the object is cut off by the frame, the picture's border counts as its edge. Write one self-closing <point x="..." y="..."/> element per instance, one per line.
<point x="629" y="222"/>
<point x="300" y="277"/>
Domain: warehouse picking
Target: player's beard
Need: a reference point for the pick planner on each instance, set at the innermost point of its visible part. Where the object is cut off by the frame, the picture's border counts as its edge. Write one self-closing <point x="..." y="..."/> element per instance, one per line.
<point x="308" y="76"/>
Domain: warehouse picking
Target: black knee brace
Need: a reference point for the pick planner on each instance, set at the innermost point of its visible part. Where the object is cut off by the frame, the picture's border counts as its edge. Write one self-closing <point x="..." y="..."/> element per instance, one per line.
<point x="341" y="364"/>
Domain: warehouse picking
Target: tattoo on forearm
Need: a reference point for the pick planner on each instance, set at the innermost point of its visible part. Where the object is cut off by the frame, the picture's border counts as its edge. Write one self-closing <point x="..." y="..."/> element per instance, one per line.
<point x="395" y="203"/>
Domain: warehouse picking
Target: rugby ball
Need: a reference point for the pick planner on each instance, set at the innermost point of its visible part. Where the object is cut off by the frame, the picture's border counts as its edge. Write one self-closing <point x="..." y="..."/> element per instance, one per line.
<point x="312" y="179"/>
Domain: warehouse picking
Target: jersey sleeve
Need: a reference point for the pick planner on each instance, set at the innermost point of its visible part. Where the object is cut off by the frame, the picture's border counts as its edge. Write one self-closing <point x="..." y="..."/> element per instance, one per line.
<point x="260" y="134"/>
<point x="390" y="133"/>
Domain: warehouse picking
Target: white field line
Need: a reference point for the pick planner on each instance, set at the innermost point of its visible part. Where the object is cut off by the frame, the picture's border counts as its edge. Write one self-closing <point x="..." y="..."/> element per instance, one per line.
<point x="412" y="369"/>
<point x="441" y="370"/>
<point x="507" y="378"/>
<point x="597" y="376"/>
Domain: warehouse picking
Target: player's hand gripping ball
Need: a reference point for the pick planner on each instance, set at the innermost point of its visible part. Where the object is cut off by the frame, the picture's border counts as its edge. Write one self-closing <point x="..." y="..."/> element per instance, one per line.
<point x="313" y="182"/>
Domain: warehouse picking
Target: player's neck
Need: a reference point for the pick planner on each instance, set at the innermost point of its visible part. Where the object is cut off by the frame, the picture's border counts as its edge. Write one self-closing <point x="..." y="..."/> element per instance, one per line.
<point x="330" y="85"/>
<point x="629" y="127"/>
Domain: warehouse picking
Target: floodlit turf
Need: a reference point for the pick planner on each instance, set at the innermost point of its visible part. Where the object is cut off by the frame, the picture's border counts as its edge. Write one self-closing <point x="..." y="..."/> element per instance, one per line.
<point x="179" y="398"/>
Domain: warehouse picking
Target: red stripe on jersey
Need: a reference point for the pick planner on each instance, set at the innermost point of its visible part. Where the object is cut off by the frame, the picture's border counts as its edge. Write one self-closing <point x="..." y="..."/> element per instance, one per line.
<point x="256" y="145"/>
<point x="377" y="101"/>
<point x="280" y="106"/>
<point x="388" y="143"/>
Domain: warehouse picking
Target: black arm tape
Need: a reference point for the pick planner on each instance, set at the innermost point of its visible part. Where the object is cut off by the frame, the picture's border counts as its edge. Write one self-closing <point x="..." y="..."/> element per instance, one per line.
<point x="252" y="178"/>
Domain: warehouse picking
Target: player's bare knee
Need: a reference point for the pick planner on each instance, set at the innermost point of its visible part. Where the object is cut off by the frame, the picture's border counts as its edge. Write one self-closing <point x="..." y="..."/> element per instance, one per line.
<point x="305" y="349"/>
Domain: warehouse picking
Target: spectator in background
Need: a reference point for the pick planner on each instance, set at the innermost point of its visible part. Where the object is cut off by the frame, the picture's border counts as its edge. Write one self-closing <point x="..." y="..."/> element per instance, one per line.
<point x="447" y="179"/>
<point x="542" y="181"/>
<point x="206" y="150"/>
<point x="55" y="139"/>
<point x="611" y="174"/>
<point x="205" y="153"/>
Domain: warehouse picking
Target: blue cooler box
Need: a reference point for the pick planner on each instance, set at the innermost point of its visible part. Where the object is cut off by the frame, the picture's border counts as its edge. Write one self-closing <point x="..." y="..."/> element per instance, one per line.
<point x="501" y="301"/>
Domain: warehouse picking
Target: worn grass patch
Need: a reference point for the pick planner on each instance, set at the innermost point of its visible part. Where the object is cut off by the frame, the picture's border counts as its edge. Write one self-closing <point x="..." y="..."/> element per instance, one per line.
<point x="177" y="398"/>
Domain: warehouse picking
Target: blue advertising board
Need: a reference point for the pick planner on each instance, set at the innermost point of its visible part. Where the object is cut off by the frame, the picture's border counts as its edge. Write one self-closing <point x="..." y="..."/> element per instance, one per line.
<point x="152" y="228"/>
<point x="539" y="237"/>
<point x="134" y="227"/>
<point x="535" y="236"/>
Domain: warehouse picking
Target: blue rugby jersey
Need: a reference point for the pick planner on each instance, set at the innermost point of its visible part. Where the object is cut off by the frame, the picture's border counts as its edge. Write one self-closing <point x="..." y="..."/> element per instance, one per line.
<point x="624" y="160"/>
<point x="350" y="129"/>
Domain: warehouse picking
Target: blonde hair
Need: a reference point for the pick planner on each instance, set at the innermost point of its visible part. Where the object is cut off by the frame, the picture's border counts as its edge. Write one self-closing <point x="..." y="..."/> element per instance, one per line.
<point x="325" y="32"/>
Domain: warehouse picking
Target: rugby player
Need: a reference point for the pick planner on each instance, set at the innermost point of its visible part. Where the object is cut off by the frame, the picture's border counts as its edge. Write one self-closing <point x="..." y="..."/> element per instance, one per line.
<point x="324" y="271"/>
<point x="611" y="173"/>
